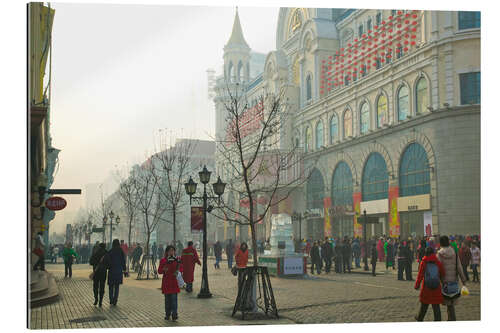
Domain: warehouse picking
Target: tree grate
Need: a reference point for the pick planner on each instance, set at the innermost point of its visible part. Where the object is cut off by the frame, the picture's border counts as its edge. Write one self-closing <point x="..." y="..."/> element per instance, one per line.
<point x="87" y="320"/>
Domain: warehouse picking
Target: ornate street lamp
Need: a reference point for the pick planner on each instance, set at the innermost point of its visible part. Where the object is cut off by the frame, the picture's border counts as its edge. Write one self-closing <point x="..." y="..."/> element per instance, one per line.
<point x="218" y="188"/>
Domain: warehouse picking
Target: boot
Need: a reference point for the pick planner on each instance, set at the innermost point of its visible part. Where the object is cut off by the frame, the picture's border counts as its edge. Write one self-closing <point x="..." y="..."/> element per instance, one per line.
<point x="100" y="301"/>
<point x="95" y="297"/>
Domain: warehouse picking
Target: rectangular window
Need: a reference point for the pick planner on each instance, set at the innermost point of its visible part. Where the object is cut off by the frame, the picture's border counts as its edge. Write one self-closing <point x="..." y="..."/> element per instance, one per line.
<point x="469" y="20"/>
<point x="360" y="31"/>
<point x="393" y="12"/>
<point x="369" y="25"/>
<point x="377" y="63"/>
<point x="470" y="88"/>
<point x="378" y="18"/>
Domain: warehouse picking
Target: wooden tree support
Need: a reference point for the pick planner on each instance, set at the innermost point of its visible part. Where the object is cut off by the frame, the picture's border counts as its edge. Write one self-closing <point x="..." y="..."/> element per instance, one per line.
<point x="264" y="293"/>
<point x="147" y="268"/>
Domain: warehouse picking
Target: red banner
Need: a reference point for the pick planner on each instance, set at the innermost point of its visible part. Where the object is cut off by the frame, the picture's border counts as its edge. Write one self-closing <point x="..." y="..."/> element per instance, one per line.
<point x="196" y="218"/>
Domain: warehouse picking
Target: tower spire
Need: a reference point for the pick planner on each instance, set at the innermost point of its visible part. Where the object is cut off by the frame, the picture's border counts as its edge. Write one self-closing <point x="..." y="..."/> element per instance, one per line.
<point x="237" y="33"/>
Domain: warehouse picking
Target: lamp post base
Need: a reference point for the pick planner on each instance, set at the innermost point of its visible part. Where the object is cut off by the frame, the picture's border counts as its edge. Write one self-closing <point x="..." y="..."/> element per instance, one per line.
<point x="204" y="294"/>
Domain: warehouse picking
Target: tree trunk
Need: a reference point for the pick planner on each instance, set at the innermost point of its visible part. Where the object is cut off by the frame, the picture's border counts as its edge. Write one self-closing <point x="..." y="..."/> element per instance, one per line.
<point x="173" y="219"/>
<point x="129" y="245"/>
<point x="254" y="236"/>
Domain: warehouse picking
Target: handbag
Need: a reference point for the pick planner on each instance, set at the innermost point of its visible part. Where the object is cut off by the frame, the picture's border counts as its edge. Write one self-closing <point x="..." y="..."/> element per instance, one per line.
<point x="180" y="280"/>
<point x="451" y="288"/>
<point x="234" y="270"/>
<point x="91" y="276"/>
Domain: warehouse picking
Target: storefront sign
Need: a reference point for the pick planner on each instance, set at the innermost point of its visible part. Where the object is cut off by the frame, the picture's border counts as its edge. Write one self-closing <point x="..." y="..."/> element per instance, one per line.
<point x="293" y="266"/>
<point x="375" y="206"/>
<point x="414" y="203"/>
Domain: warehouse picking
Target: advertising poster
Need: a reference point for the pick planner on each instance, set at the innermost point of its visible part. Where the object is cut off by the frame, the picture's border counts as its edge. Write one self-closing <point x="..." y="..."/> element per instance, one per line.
<point x="428" y="223"/>
<point x="196" y="218"/>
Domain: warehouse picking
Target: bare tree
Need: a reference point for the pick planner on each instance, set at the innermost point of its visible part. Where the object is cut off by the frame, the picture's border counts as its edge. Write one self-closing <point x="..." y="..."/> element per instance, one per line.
<point x="127" y="192"/>
<point x="149" y="202"/>
<point x="263" y="167"/>
<point x="170" y="167"/>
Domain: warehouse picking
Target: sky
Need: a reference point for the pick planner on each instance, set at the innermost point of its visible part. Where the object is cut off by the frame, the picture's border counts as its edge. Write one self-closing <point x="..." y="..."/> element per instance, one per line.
<point x="120" y="73"/>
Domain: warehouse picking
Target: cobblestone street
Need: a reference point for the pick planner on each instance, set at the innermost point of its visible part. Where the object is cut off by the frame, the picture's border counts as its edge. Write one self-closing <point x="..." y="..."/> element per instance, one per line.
<point x="327" y="298"/>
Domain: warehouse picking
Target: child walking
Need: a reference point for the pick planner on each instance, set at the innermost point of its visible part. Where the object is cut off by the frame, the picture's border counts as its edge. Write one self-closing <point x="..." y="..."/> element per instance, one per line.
<point x="169" y="266"/>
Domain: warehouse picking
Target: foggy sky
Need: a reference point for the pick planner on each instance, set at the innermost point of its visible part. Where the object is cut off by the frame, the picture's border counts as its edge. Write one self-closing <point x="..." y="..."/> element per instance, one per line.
<point x="122" y="72"/>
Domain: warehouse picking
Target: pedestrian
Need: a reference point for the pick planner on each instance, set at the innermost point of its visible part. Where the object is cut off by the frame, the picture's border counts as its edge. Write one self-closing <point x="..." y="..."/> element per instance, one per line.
<point x="189" y="259"/>
<point x="69" y="255"/>
<point x="453" y="244"/>
<point x="326" y="255"/>
<point x="475" y="261"/>
<point x="464" y="253"/>
<point x="124" y="248"/>
<point x="218" y="254"/>
<point x="453" y="271"/>
<point x="55" y="254"/>
<point x="389" y="254"/>
<point x="430" y="273"/>
<point x="39" y="250"/>
<point x="346" y="256"/>
<point x="356" y="251"/>
<point x="136" y="257"/>
<point x="95" y="248"/>
<point x="241" y="259"/>
<point x="404" y="262"/>
<point x="115" y="262"/>
<point x="338" y="256"/>
<point x="380" y="250"/>
<point x="421" y="250"/>
<point x="315" y="258"/>
<point x="169" y="267"/>
<point x="99" y="273"/>
<point x="229" y="253"/>
<point x="154" y="249"/>
<point x="374" y="257"/>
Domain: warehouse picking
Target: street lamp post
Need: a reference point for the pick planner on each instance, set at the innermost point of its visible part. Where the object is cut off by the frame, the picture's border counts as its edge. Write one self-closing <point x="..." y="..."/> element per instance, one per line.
<point x="364" y="240"/>
<point x="218" y="188"/>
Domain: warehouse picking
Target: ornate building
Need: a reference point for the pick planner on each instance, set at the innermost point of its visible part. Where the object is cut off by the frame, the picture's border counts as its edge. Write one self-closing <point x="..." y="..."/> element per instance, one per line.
<point x="389" y="101"/>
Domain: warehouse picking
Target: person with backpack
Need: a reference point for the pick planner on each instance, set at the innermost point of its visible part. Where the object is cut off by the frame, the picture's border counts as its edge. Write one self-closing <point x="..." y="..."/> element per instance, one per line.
<point x="430" y="272"/>
<point x="453" y="271"/>
<point x="169" y="267"/>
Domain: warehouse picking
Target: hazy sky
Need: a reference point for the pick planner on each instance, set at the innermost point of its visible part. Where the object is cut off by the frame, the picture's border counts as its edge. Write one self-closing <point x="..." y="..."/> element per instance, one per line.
<point x="122" y="72"/>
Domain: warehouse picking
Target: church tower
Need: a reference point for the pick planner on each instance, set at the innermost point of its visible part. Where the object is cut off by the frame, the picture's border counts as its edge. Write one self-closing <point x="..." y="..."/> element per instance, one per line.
<point x="237" y="55"/>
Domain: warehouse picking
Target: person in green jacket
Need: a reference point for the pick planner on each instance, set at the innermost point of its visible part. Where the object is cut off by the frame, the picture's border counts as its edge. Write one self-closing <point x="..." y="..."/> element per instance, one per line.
<point x="454" y="244"/>
<point x="68" y="254"/>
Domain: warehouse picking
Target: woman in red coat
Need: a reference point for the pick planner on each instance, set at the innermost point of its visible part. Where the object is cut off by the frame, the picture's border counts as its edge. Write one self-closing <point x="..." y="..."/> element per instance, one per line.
<point x="242" y="256"/>
<point x="169" y="266"/>
<point x="428" y="295"/>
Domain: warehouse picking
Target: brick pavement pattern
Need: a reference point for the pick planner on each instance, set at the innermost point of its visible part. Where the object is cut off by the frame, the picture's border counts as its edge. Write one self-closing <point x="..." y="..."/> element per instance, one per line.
<point x="327" y="298"/>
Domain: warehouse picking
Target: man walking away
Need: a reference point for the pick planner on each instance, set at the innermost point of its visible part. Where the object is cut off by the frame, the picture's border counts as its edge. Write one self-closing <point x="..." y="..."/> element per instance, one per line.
<point x="218" y="254"/>
<point x="338" y="256"/>
<point x="356" y="251"/>
<point x="374" y="257"/>
<point x="189" y="258"/>
<point x="465" y="256"/>
<point x="326" y="255"/>
<point x="69" y="255"/>
<point x="315" y="258"/>
<point x="346" y="255"/>
<point x="99" y="269"/>
<point x="430" y="272"/>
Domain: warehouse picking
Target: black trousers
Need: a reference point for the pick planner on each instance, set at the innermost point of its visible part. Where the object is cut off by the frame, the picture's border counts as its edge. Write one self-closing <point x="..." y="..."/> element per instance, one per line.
<point x="114" y="290"/>
<point x="328" y="264"/>
<point x="464" y="268"/>
<point x="423" y="311"/>
<point x="68" y="269"/>
<point x="318" y="266"/>
<point x="346" y="264"/>
<point x="374" y="265"/>
<point x="99" y="285"/>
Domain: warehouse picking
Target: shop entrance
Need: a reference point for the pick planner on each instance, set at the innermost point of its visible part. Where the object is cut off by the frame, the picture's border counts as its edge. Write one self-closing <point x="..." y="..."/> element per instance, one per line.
<point x="377" y="229"/>
<point x="411" y="224"/>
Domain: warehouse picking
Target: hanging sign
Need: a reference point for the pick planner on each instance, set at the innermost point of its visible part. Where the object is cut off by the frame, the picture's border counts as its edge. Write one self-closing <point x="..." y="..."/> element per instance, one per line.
<point x="196" y="218"/>
<point x="55" y="203"/>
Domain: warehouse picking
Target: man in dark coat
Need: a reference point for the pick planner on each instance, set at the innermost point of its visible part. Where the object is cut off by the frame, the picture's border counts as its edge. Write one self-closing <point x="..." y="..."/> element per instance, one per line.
<point x="218" y="254"/>
<point x="346" y="256"/>
<point x="229" y="253"/>
<point x="339" y="249"/>
<point x="374" y="257"/>
<point x="136" y="257"/>
<point x="326" y="255"/>
<point x="315" y="258"/>
<point x="99" y="269"/>
<point x="115" y="262"/>
<point x="404" y="261"/>
<point x="356" y="251"/>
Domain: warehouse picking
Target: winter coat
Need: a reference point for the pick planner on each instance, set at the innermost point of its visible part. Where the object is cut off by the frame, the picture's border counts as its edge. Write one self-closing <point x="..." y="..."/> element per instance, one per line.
<point x="427" y="295"/>
<point x="218" y="250"/>
<point x="241" y="258"/>
<point x="326" y="251"/>
<point x="380" y="250"/>
<point x="465" y="255"/>
<point x="189" y="258"/>
<point x="115" y="262"/>
<point x="98" y="264"/>
<point x="448" y="258"/>
<point x="346" y="251"/>
<point x="389" y="249"/>
<point x="169" y="270"/>
<point x="475" y="256"/>
<point x="374" y="255"/>
<point x="68" y="254"/>
<point x="356" y="249"/>
<point x="315" y="256"/>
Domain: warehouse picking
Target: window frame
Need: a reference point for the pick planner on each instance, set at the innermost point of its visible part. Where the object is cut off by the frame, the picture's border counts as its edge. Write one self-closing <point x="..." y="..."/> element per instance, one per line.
<point x="364" y="110"/>
<point x="476" y="82"/>
<point x="398" y="102"/>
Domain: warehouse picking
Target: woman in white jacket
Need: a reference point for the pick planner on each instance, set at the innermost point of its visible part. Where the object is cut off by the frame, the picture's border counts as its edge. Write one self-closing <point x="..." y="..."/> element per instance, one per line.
<point x="475" y="261"/>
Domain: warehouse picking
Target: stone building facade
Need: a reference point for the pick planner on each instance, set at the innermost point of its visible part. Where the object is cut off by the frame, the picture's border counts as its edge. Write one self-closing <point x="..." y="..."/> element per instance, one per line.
<point x="388" y="103"/>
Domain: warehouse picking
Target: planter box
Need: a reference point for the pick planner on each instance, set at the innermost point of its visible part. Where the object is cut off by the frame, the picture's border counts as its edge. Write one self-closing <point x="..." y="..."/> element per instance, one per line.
<point x="293" y="265"/>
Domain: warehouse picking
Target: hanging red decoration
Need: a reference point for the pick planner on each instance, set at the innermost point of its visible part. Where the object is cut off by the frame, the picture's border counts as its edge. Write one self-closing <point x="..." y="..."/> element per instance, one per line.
<point x="413" y="42"/>
<point x="405" y="49"/>
<point x="414" y="15"/>
<point x="400" y="12"/>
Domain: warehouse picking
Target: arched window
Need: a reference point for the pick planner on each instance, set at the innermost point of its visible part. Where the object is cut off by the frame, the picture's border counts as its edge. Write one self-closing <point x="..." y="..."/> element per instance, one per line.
<point x="315" y="190"/>
<point x="414" y="174"/>
<point x="230" y="71"/>
<point x="341" y="192"/>
<point x="308" y="88"/>
<point x="239" y="77"/>
<point x="308" y="139"/>
<point x="403" y="104"/>
<point x="421" y="96"/>
<point x="319" y="134"/>
<point x="347" y="124"/>
<point x="364" y="119"/>
<point x="375" y="180"/>
<point x="334" y="128"/>
<point x="382" y="113"/>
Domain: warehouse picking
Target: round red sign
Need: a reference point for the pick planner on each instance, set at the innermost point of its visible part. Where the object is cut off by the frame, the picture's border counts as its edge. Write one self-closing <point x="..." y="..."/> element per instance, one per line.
<point x="55" y="203"/>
